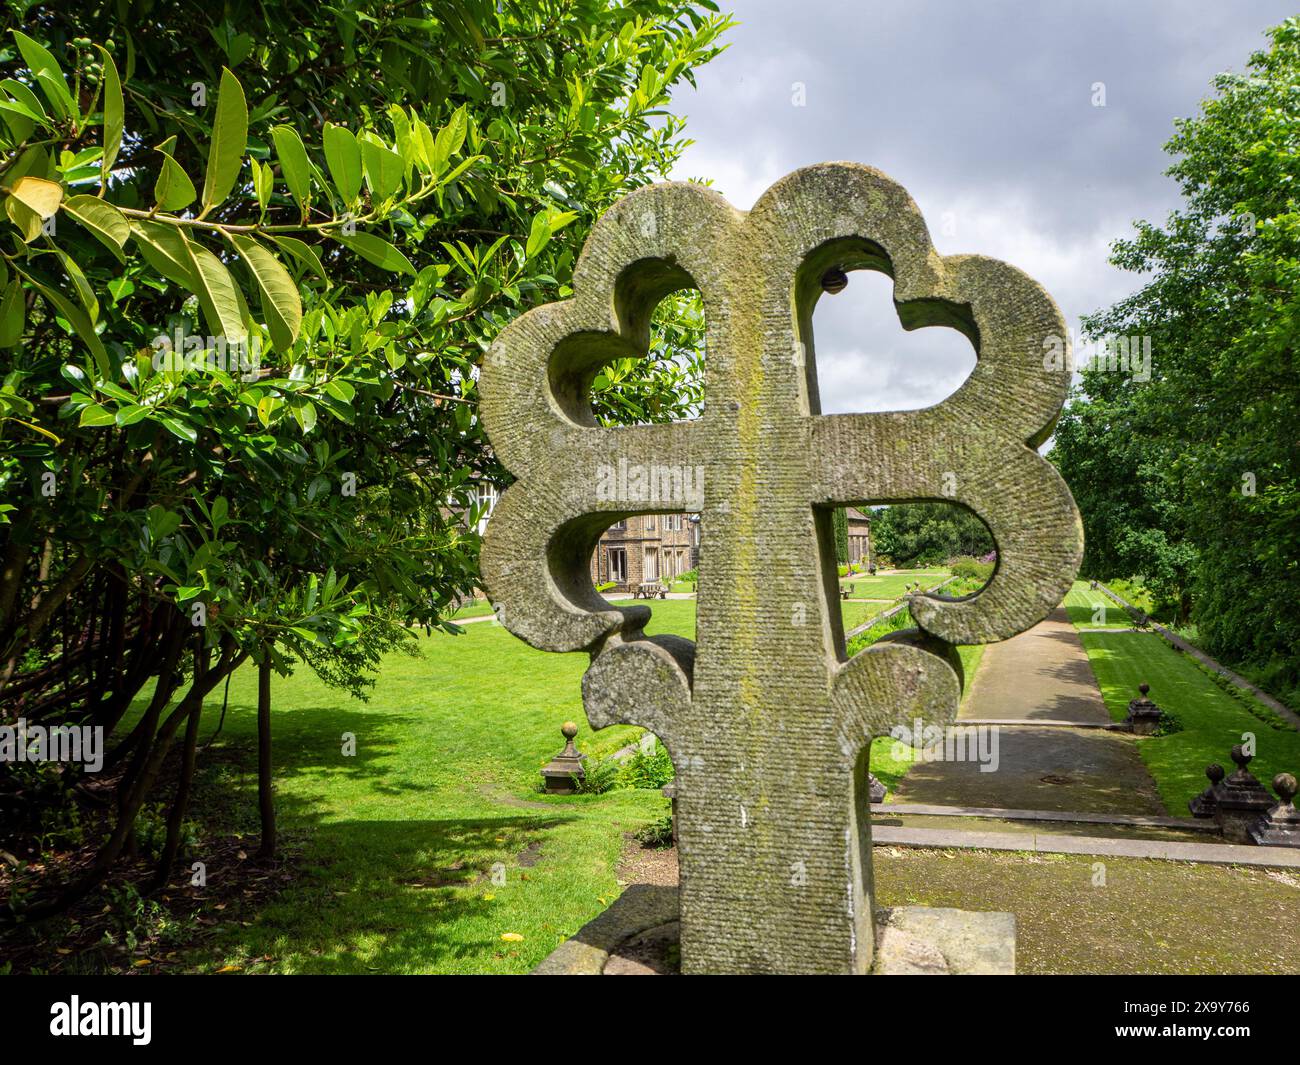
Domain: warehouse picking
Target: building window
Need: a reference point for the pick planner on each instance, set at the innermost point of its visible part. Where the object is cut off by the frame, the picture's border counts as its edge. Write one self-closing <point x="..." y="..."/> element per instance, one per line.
<point x="649" y="523"/>
<point x="619" y="524"/>
<point x="672" y="523"/>
<point x="486" y="496"/>
<point x="617" y="560"/>
<point x="650" y="571"/>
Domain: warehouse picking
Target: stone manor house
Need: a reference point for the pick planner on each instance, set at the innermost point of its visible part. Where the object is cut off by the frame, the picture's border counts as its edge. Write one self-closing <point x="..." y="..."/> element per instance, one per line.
<point x="650" y="548"/>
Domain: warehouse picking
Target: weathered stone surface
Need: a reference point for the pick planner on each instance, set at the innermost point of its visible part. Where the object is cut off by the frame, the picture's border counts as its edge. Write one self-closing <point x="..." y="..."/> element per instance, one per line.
<point x="768" y="725"/>
<point x="639" y="909"/>
<point x="635" y="937"/>
<point x="929" y="941"/>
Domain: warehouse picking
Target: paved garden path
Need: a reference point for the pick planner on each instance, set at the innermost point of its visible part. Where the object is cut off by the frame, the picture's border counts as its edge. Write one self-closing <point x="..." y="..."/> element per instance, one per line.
<point x="1043" y="675"/>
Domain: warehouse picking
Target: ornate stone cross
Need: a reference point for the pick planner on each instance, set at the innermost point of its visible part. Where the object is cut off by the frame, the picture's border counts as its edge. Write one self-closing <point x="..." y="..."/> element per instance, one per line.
<point x="768" y="724"/>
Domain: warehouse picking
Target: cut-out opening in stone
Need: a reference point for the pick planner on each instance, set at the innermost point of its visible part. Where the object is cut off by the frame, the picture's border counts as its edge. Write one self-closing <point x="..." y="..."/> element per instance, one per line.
<point x="871" y="353"/>
<point x="652" y="369"/>
<point x="651" y="559"/>
<point x="886" y="553"/>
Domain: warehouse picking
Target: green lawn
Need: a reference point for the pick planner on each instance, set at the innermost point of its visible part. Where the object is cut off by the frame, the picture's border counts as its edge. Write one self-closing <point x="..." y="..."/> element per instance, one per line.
<point x="1094" y="610"/>
<point x="892" y="585"/>
<point x="1213" y="719"/>
<point x="404" y="835"/>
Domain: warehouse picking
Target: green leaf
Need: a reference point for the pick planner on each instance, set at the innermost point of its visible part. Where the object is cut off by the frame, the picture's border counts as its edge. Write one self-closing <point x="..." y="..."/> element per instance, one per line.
<point x="384" y="168"/>
<point x="280" y="301"/>
<point x="102" y="220"/>
<point x="84" y="292"/>
<point x="13" y="314"/>
<point x="295" y="167"/>
<point x="24" y="102"/>
<point x="340" y="390"/>
<point x="376" y="250"/>
<point x="72" y="314"/>
<point x="305" y="415"/>
<point x="47" y="74"/>
<point x="263" y="182"/>
<point x="173" y="191"/>
<point x="94" y="414"/>
<point x="539" y="234"/>
<point x="131" y="414"/>
<point x="304" y="253"/>
<point x="165" y="248"/>
<point x="229" y="139"/>
<point x="222" y="305"/>
<point x="180" y="429"/>
<point x="343" y="155"/>
<point x="114" y="112"/>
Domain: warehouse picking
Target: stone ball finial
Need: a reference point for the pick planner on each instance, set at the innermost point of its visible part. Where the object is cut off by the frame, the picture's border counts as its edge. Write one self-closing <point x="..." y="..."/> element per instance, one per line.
<point x="1240" y="756"/>
<point x="1215" y="772"/>
<point x="1144" y="688"/>
<point x="568" y="730"/>
<point x="1285" y="786"/>
<point x="834" y="280"/>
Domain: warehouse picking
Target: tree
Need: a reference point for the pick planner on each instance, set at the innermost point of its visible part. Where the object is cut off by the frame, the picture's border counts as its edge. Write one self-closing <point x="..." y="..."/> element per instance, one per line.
<point x="927" y="534"/>
<point x="840" y="525"/>
<point x="1219" y="418"/>
<point x="245" y="291"/>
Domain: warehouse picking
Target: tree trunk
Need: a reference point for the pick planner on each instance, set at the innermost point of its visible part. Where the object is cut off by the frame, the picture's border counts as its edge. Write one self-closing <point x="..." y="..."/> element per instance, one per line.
<point x="266" y="800"/>
<point x="181" y="803"/>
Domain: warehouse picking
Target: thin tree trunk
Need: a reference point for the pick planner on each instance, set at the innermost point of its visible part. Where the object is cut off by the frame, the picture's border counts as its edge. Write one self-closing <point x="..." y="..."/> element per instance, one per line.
<point x="181" y="803"/>
<point x="266" y="800"/>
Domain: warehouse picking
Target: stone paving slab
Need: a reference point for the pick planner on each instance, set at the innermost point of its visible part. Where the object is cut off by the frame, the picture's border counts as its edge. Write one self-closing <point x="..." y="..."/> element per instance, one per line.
<point x="1169" y="850"/>
<point x="1041" y="674"/>
<point x="921" y="809"/>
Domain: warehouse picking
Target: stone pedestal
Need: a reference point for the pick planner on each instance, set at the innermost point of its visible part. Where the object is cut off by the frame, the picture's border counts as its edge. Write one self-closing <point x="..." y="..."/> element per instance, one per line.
<point x="562" y="772"/>
<point x="1204" y="804"/>
<point x="1241" y="800"/>
<point x="876" y="791"/>
<point x="1280" y="826"/>
<point x="638" y="935"/>
<point x="1143" y="714"/>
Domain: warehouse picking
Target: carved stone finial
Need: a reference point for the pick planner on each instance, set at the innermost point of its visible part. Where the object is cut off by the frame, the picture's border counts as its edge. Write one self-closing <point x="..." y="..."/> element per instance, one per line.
<point x="775" y="874"/>
<point x="1204" y="804"/>
<point x="1280" y="826"/>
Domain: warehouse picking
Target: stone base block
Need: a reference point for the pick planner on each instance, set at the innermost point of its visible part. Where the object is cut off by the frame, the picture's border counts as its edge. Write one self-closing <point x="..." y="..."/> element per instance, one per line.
<point x="637" y="936"/>
<point x="929" y="941"/>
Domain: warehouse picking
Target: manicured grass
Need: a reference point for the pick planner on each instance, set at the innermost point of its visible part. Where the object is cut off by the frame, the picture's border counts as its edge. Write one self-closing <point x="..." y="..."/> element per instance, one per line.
<point x="893" y="585"/>
<point x="404" y="835"/>
<point x="854" y="614"/>
<point x="1090" y="609"/>
<point x="477" y="609"/>
<point x="1212" y="718"/>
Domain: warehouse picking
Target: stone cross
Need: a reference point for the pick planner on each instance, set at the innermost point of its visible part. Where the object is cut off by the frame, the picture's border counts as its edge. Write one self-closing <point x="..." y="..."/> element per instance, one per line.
<point x="767" y="721"/>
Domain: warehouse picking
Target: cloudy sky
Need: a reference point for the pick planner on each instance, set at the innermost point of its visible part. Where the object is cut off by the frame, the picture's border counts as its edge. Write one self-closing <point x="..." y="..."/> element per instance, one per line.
<point x="985" y="113"/>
